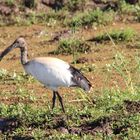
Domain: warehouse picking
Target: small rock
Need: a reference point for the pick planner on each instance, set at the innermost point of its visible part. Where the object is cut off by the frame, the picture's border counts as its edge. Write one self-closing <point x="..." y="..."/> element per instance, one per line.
<point x="63" y="130"/>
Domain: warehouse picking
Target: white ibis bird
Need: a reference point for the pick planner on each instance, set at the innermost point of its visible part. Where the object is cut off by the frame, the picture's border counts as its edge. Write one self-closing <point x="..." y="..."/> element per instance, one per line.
<point x="51" y="72"/>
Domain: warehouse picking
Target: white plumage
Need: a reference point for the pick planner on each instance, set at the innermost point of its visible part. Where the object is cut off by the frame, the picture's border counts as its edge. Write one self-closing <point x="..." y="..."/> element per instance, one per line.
<point x="51" y="72"/>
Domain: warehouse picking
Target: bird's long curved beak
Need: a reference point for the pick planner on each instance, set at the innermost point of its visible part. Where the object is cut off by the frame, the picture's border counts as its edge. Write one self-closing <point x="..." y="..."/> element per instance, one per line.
<point x="7" y="50"/>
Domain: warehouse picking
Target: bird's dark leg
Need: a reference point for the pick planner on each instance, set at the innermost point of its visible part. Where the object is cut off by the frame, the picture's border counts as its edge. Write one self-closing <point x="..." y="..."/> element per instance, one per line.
<point x="53" y="99"/>
<point x="61" y="101"/>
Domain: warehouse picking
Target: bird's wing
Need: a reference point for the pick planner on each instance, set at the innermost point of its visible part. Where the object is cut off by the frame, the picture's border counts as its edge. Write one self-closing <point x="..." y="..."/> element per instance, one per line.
<point x="79" y="79"/>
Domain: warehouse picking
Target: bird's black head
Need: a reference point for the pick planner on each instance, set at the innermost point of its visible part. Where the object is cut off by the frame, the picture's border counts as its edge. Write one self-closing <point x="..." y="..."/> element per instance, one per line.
<point x="18" y="43"/>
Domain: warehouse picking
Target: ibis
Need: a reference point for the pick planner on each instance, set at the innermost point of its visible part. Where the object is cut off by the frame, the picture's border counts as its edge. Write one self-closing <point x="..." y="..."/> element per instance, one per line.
<point x="51" y="72"/>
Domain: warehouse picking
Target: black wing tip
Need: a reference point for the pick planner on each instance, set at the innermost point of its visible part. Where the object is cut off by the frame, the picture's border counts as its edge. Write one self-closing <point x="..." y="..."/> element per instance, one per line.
<point x="89" y="86"/>
<point x="79" y="79"/>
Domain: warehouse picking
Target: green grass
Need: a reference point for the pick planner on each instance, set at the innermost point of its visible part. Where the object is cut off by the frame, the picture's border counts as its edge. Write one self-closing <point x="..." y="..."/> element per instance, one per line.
<point x="88" y="18"/>
<point x="10" y="2"/>
<point x="42" y="122"/>
<point x="129" y="12"/>
<point x="125" y="8"/>
<point x="73" y="14"/>
<point x="74" y="5"/>
<point x="70" y="46"/>
<point x="88" y="68"/>
<point x="111" y="114"/>
<point x="124" y="35"/>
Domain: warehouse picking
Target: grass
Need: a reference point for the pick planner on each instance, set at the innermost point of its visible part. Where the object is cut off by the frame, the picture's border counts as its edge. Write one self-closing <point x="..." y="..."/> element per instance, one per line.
<point x="124" y="35"/>
<point x="88" y="18"/>
<point x="112" y="115"/>
<point x="88" y="68"/>
<point x="126" y="8"/>
<point x="14" y="77"/>
<point x="3" y="73"/>
<point x="130" y="11"/>
<point x="73" y="14"/>
<point x="10" y="2"/>
<point x="70" y="46"/>
<point x="74" y="5"/>
<point x="42" y="123"/>
<point x="34" y="17"/>
<point x="30" y="18"/>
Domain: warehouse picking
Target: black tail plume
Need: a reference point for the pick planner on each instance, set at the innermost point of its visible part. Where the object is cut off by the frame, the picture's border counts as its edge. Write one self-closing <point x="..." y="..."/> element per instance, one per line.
<point x="79" y="79"/>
